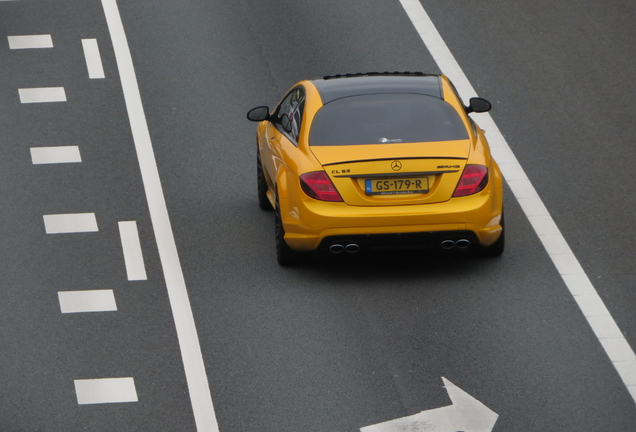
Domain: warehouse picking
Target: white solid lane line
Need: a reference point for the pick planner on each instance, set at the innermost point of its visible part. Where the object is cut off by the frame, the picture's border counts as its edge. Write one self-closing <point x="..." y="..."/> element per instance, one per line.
<point x="70" y="223"/>
<point x="105" y="390"/>
<point x="584" y="293"/>
<point x="87" y="301"/>
<point x="133" y="256"/>
<point x="30" y="41"/>
<point x="93" y="59"/>
<point x="55" y="155"/>
<point x="42" y="95"/>
<point x="194" y="368"/>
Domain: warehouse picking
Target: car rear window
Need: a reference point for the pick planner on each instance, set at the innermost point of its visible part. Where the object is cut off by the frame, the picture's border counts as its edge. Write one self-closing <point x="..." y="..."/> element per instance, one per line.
<point x="386" y="119"/>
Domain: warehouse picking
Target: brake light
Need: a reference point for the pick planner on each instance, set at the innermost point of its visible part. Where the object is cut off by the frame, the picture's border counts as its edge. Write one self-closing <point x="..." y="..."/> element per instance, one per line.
<point x="318" y="185"/>
<point x="474" y="179"/>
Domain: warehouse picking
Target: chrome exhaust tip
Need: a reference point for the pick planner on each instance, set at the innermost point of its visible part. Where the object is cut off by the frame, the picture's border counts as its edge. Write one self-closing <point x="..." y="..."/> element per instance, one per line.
<point x="447" y="244"/>
<point x="336" y="248"/>
<point x="352" y="248"/>
<point x="463" y="243"/>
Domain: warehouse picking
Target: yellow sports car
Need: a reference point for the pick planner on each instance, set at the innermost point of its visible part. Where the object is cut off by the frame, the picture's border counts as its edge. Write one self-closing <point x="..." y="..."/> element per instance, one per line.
<point x="377" y="161"/>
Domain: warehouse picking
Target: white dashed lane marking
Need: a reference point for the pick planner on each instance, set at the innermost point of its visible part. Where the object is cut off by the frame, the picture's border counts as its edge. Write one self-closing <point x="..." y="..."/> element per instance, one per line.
<point x="88" y="391"/>
<point x="603" y="325"/>
<point x="70" y="223"/>
<point x="93" y="59"/>
<point x="133" y="257"/>
<point x="42" y="95"/>
<point x="55" y="155"/>
<point x="30" y="41"/>
<point x="194" y="368"/>
<point x="87" y="301"/>
<point x="105" y="390"/>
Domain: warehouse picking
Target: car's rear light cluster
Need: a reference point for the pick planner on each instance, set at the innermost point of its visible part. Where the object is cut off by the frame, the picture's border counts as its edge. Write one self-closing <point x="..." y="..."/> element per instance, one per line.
<point x="318" y="185"/>
<point x="474" y="179"/>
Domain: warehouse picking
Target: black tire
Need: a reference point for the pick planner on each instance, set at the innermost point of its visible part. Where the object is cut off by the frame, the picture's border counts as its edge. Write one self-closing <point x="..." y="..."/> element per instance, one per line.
<point x="497" y="248"/>
<point x="286" y="256"/>
<point x="263" y="201"/>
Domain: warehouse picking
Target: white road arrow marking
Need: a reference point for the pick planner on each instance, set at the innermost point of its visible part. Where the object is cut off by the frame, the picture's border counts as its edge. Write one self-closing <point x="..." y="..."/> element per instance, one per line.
<point x="466" y="414"/>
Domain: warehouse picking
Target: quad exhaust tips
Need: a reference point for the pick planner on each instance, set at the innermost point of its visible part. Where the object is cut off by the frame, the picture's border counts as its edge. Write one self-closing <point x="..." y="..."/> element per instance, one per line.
<point x="352" y="248"/>
<point x="349" y="248"/>
<point x="459" y="244"/>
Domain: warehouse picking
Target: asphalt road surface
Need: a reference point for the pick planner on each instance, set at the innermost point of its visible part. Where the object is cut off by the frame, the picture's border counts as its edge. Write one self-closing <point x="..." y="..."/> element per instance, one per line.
<point x="92" y="341"/>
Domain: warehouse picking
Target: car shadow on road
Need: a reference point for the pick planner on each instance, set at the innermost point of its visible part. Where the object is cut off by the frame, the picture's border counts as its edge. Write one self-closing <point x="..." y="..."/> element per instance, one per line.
<point x="389" y="263"/>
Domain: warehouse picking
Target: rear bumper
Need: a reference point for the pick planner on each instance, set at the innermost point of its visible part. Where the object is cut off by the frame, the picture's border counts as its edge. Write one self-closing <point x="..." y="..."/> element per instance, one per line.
<point x="311" y="224"/>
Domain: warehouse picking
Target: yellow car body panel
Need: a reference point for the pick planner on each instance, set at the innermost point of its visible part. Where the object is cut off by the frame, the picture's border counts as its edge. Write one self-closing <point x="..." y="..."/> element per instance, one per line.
<point x="308" y="221"/>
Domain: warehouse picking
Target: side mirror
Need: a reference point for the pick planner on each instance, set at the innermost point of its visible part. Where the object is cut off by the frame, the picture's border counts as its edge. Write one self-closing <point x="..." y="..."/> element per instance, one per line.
<point x="258" y="114"/>
<point x="478" y="105"/>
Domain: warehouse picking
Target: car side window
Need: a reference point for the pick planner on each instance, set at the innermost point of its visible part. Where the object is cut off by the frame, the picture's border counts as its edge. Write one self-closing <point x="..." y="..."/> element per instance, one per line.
<point x="290" y="113"/>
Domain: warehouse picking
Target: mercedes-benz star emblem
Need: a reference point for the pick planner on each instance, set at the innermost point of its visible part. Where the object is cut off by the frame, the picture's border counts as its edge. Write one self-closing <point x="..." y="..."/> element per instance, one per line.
<point x="396" y="165"/>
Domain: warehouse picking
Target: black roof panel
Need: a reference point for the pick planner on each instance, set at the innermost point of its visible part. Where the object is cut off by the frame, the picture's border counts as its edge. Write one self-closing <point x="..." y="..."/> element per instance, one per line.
<point x="331" y="89"/>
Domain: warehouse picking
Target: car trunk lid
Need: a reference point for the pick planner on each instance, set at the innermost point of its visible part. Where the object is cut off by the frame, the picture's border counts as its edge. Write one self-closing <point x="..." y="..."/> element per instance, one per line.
<point x="395" y="174"/>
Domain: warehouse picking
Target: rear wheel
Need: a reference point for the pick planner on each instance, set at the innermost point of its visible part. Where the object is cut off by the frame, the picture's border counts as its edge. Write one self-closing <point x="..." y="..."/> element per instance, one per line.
<point x="497" y="248"/>
<point x="286" y="256"/>
<point x="263" y="201"/>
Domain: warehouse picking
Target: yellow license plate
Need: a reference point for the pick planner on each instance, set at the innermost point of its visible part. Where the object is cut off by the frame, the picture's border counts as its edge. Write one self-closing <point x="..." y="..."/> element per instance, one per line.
<point x="398" y="185"/>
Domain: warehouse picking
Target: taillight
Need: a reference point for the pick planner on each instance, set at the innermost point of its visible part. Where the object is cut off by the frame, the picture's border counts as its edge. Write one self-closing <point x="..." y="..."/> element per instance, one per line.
<point x="474" y="179"/>
<point x="318" y="185"/>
